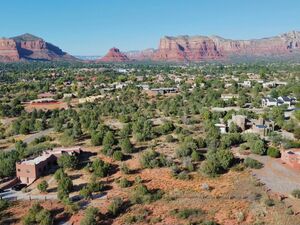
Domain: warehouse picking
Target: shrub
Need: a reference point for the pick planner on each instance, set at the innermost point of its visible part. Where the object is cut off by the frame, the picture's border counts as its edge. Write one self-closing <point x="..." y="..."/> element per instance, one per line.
<point x="86" y="192"/>
<point x="91" y="216"/>
<point x="166" y="127"/>
<point x="289" y="211"/>
<point x="95" y="186"/>
<point x="138" y="180"/>
<point x="59" y="175"/>
<point x="258" y="147"/>
<point x="195" y="156"/>
<point x="65" y="186"/>
<point x="183" y="176"/>
<point x="123" y="183"/>
<point x="139" y="218"/>
<point x="118" y="155"/>
<point x="273" y="152"/>
<point x="70" y="207"/>
<point x="186" y="213"/>
<point x="3" y="204"/>
<point x="126" y="146"/>
<point x="42" y="187"/>
<point x="209" y="168"/>
<point x="296" y="193"/>
<point x="253" y="163"/>
<point x="100" y="168"/>
<point x="124" y="168"/>
<point x="108" y="142"/>
<point x="216" y="162"/>
<point x="96" y="138"/>
<point x="225" y="158"/>
<point x="142" y="195"/>
<point x="38" y="215"/>
<point x="269" y="202"/>
<point x="170" y="138"/>
<point x="189" y="144"/>
<point x="152" y="159"/>
<point x="67" y="161"/>
<point x="115" y="206"/>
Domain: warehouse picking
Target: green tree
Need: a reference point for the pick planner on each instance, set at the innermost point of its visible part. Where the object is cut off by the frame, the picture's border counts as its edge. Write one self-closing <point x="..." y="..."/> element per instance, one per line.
<point x="115" y="206"/>
<point x="91" y="216"/>
<point x="108" y="142"/>
<point x="258" y="147"/>
<point x="67" y="161"/>
<point x="43" y="186"/>
<point x="126" y="146"/>
<point x="100" y="168"/>
<point x="273" y="152"/>
<point x="96" y="138"/>
<point x="118" y="155"/>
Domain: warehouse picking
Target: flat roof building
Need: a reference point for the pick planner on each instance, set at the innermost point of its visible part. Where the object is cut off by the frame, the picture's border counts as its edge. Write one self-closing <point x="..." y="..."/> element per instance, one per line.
<point x="29" y="170"/>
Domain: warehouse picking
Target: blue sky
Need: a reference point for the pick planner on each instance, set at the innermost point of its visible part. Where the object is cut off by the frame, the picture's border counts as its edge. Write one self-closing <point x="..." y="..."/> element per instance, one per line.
<point x="91" y="27"/>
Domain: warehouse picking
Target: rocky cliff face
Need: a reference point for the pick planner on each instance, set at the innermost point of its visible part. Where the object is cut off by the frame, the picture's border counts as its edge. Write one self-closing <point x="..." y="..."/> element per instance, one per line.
<point x="29" y="47"/>
<point x="143" y="55"/>
<point x="8" y="51"/>
<point x="202" y="48"/>
<point x="185" y="48"/>
<point x="114" y="55"/>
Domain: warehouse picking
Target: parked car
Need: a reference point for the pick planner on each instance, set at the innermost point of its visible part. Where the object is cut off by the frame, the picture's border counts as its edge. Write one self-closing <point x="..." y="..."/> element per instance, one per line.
<point x="18" y="187"/>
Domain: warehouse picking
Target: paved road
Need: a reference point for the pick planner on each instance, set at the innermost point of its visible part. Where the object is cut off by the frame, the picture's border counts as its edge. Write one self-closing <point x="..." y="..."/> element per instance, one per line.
<point x="236" y="108"/>
<point x="19" y="195"/>
<point x="31" y="138"/>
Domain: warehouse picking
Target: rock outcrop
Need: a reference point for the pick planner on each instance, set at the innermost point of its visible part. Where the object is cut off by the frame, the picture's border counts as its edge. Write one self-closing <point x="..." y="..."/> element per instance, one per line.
<point x="8" y="50"/>
<point x="114" y="55"/>
<point x="144" y="55"/>
<point x="202" y="48"/>
<point x="29" y="47"/>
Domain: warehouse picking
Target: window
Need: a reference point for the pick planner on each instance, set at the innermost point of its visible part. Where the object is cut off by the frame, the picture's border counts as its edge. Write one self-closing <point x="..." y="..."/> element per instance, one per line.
<point x="27" y="171"/>
<point x="19" y="170"/>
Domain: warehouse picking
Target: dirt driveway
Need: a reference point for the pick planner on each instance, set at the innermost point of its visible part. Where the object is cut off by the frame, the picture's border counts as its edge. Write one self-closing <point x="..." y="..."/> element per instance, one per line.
<point x="277" y="176"/>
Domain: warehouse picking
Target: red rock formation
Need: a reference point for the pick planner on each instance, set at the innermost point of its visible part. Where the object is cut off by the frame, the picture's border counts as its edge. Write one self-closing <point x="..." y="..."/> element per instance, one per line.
<point x="143" y="55"/>
<point x="114" y="55"/>
<point x="29" y="47"/>
<point x="201" y="48"/>
<point x="8" y="51"/>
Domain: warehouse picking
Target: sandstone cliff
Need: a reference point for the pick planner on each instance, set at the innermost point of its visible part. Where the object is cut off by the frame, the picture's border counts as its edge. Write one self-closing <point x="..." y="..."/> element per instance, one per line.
<point x="8" y="50"/>
<point x="202" y="48"/>
<point x="29" y="47"/>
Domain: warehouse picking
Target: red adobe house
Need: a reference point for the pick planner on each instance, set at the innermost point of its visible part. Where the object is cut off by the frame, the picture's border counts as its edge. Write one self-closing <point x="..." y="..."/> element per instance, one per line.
<point x="291" y="157"/>
<point x="31" y="169"/>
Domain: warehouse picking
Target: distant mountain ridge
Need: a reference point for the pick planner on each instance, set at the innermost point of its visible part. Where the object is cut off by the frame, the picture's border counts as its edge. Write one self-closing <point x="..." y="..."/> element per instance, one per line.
<point x="30" y="47"/>
<point x="170" y="49"/>
<point x="186" y="48"/>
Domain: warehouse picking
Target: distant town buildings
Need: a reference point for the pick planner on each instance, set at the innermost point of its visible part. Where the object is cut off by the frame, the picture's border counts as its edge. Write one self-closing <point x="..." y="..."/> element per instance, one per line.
<point x="227" y="97"/>
<point x="43" y="100"/>
<point x="282" y="100"/>
<point x="164" y="90"/>
<point x="90" y="99"/>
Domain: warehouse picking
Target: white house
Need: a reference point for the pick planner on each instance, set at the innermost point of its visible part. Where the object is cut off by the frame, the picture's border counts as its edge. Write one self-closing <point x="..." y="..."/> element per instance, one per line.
<point x="284" y="100"/>
<point x="227" y="97"/>
<point x="268" y="101"/>
<point x="246" y="84"/>
<point x="222" y="127"/>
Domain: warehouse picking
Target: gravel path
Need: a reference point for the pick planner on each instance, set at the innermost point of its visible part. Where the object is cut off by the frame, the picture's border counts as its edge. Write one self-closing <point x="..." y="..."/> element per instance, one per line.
<point x="278" y="177"/>
<point x="31" y="138"/>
